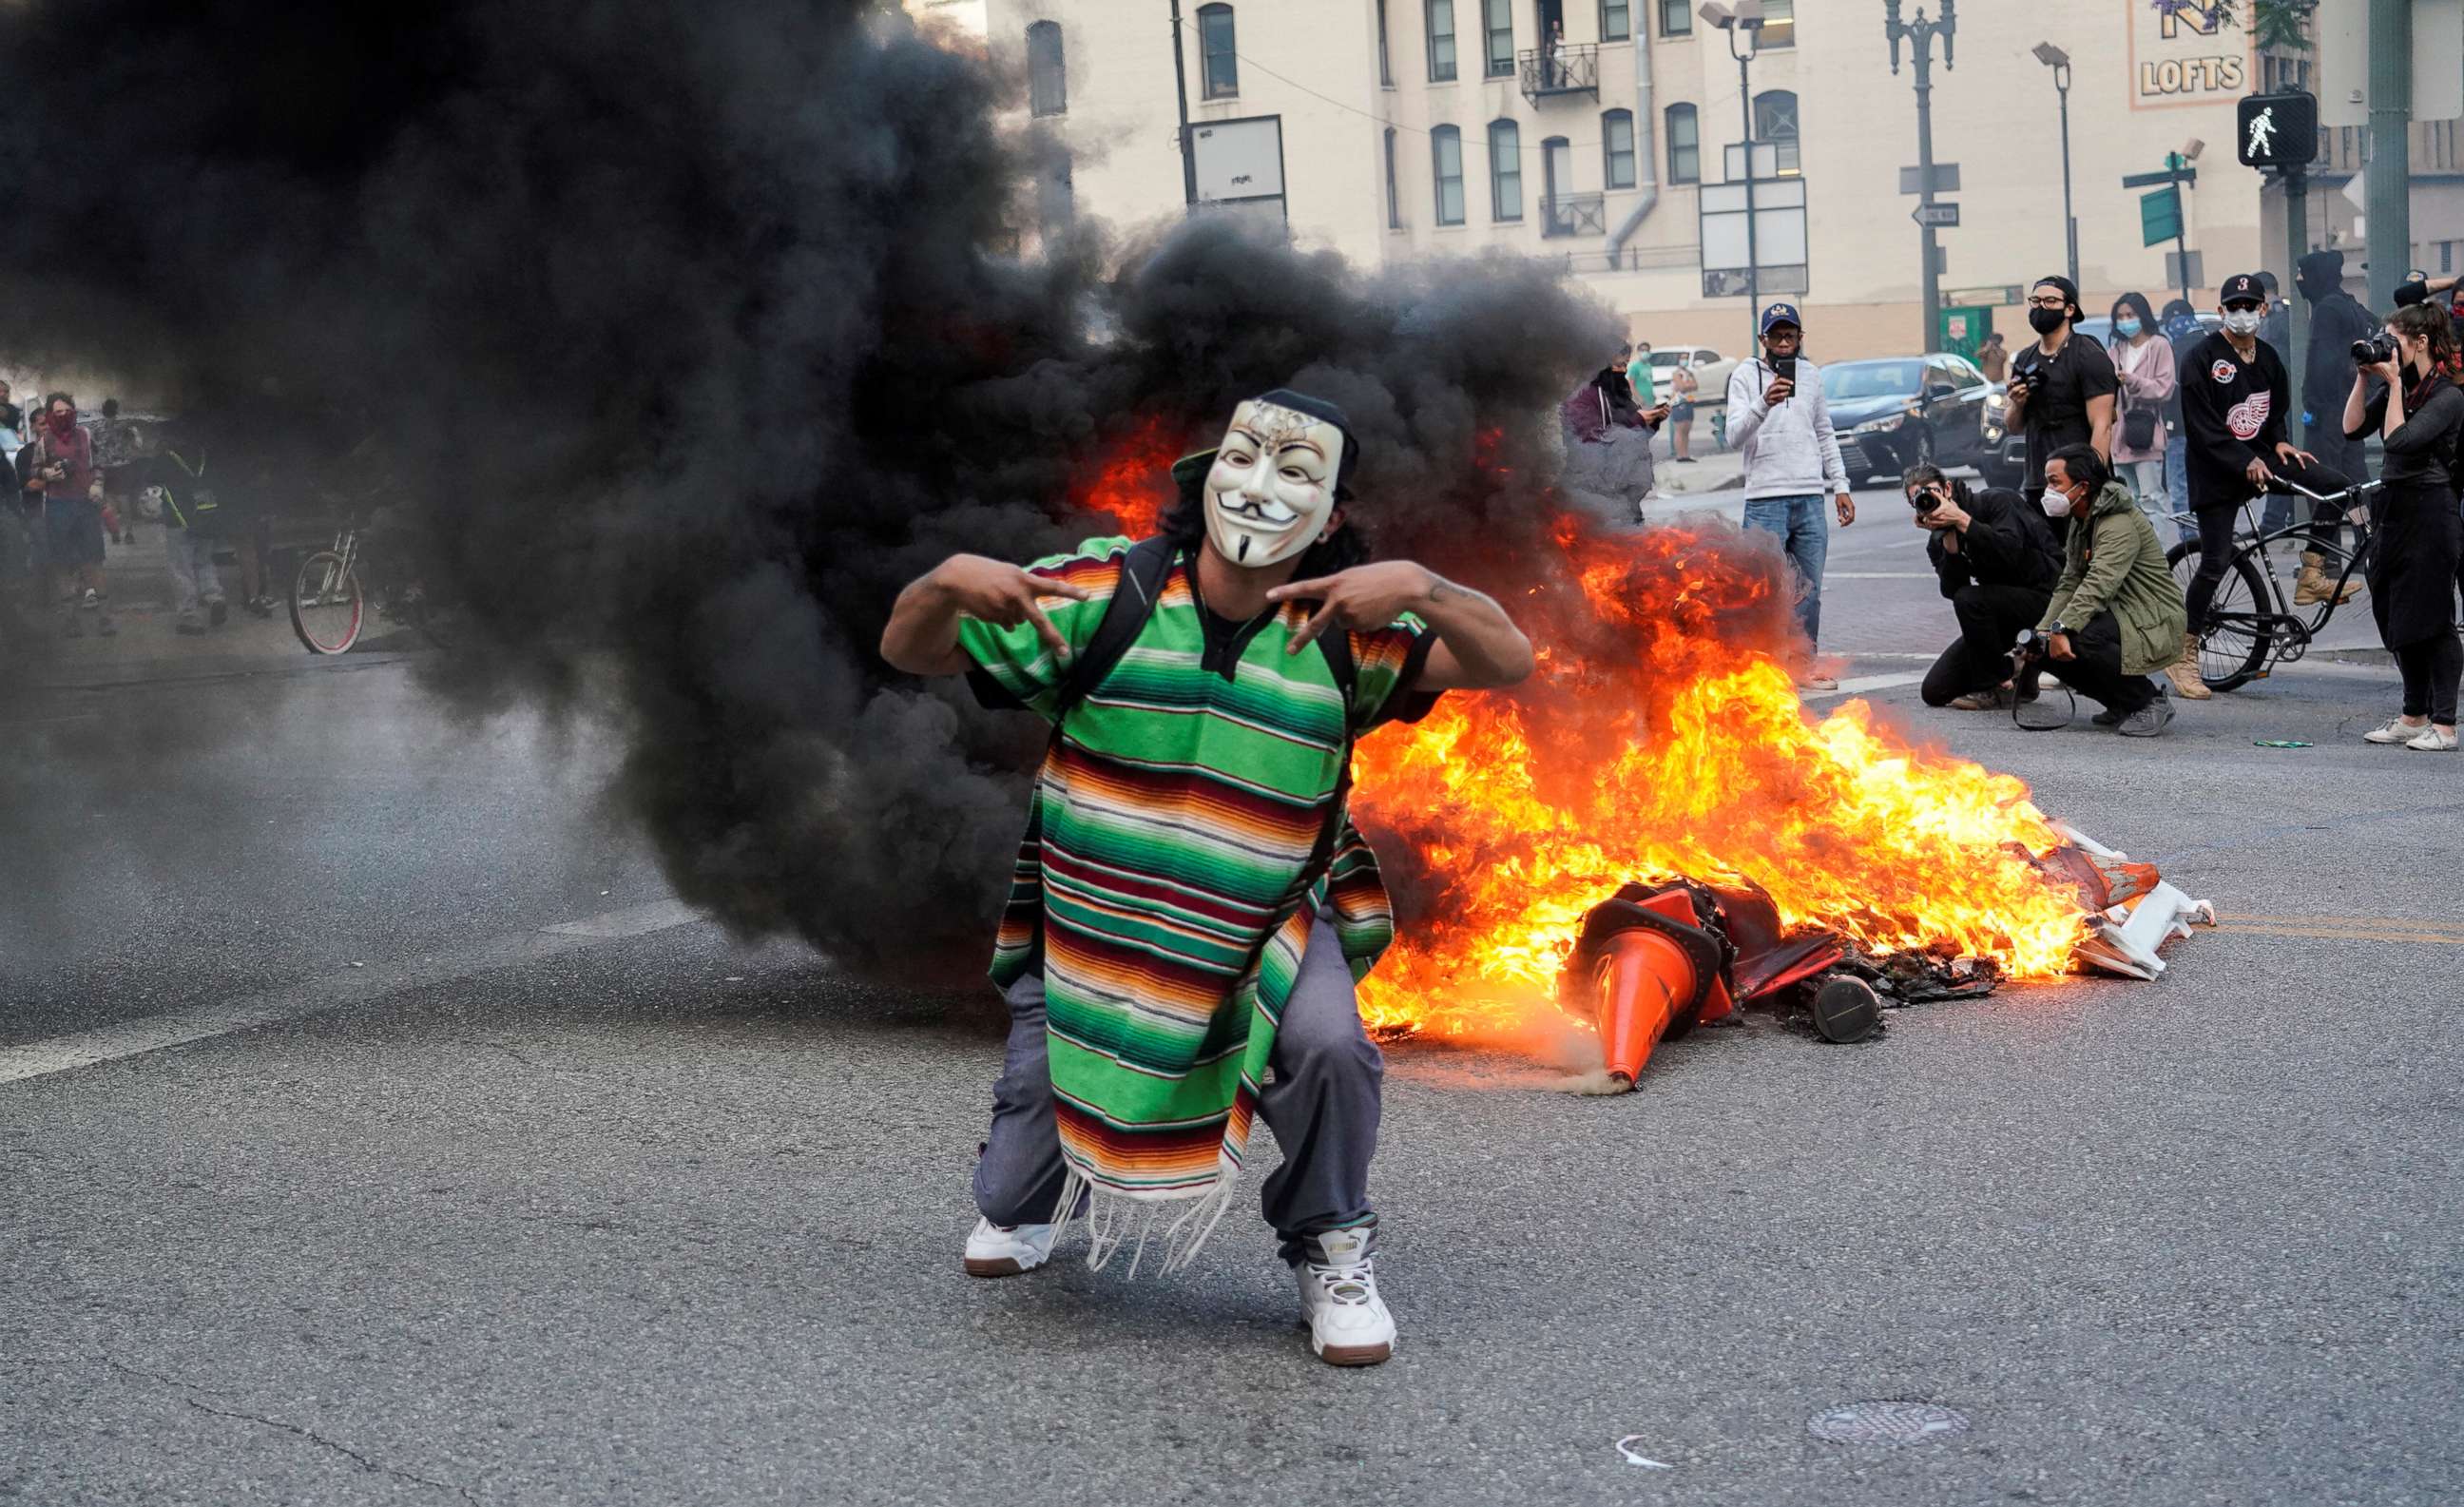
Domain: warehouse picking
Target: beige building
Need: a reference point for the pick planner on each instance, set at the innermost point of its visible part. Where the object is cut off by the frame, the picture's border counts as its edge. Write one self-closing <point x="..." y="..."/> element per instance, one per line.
<point x="1398" y="129"/>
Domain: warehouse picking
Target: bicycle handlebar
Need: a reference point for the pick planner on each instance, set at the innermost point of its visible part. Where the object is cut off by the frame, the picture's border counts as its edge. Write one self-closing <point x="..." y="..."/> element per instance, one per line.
<point x="2356" y="490"/>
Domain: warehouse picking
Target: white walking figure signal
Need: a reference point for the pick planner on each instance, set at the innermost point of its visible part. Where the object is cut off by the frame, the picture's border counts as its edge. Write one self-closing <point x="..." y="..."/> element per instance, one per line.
<point x="2262" y="133"/>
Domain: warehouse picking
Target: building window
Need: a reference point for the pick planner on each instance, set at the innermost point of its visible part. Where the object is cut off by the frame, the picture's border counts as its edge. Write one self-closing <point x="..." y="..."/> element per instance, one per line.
<point x="1047" y="90"/>
<point x="1776" y="122"/>
<point x="1500" y="28"/>
<point x="1056" y="200"/>
<point x="1219" y="60"/>
<point x="1441" y="41"/>
<point x="1385" y="67"/>
<point x="1685" y="145"/>
<point x="1505" y="169"/>
<point x="1394" y="192"/>
<point x="1616" y="148"/>
<point x="1779" y="24"/>
<point x="1445" y="155"/>
<point x="1617" y="21"/>
<point x="1676" y="17"/>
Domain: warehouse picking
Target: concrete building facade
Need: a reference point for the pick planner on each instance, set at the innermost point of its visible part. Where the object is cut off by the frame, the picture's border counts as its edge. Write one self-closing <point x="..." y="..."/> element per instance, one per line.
<point x="1603" y="133"/>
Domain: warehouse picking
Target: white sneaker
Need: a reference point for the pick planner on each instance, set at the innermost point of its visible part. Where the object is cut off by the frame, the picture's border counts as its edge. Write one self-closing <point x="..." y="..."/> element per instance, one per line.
<point x="2396" y="731"/>
<point x="2432" y="741"/>
<point x="996" y="1251"/>
<point x="1348" y="1321"/>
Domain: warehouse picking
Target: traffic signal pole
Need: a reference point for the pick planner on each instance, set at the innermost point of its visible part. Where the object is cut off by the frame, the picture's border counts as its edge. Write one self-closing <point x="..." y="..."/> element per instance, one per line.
<point x="2297" y="245"/>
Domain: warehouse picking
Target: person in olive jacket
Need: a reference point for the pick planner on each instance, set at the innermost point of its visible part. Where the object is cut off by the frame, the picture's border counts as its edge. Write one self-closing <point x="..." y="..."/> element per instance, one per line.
<point x="2115" y="616"/>
<point x="1996" y="560"/>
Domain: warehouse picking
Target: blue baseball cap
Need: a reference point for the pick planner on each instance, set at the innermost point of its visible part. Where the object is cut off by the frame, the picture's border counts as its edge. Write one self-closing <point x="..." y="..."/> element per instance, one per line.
<point x="1781" y="314"/>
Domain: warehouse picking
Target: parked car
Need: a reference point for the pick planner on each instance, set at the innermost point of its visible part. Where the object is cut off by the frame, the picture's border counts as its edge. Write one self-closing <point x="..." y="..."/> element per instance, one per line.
<point x="1710" y="372"/>
<point x="2008" y="463"/>
<point x="1894" y="412"/>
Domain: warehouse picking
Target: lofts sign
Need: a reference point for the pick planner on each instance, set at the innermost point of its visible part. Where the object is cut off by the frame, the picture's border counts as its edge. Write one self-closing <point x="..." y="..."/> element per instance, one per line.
<point x="2187" y="53"/>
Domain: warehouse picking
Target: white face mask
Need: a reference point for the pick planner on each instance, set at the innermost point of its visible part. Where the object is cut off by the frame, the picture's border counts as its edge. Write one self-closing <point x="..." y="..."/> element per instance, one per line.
<point x="2057" y="505"/>
<point x="1271" y="488"/>
<point x="2242" y="321"/>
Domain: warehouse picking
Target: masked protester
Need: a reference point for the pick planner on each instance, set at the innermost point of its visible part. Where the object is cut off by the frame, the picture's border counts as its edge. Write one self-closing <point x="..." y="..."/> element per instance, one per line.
<point x="1996" y="560"/>
<point x="2115" y="616"/>
<point x="2182" y="331"/>
<point x="2061" y="390"/>
<point x="1781" y="426"/>
<point x="1608" y="444"/>
<point x="1204" y="688"/>
<point x="2142" y="362"/>
<point x="57" y="465"/>
<point x="2233" y="405"/>
<point x="2337" y="319"/>
<point x="2419" y="414"/>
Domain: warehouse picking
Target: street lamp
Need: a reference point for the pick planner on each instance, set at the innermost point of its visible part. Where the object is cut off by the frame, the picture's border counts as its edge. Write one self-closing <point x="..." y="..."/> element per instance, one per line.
<point x="1920" y="33"/>
<point x="2060" y="62"/>
<point x="1744" y="16"/>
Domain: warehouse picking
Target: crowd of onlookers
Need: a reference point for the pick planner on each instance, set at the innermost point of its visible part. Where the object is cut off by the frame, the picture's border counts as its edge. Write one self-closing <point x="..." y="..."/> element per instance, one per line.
<point x="86" y="484"/>
<point x="2173" y="429"/>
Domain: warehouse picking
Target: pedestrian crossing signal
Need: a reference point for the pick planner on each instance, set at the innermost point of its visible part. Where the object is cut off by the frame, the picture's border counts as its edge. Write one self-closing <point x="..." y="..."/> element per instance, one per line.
<point x="2278" y="131"/>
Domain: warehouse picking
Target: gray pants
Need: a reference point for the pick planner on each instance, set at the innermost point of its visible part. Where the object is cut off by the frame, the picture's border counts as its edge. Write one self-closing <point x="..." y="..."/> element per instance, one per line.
<point x="193" y="576"/>
<point x="1321" y="1102"/>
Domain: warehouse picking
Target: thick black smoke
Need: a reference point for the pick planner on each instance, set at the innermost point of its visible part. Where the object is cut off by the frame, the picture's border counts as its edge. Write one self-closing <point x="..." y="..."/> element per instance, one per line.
<point x="692" y="332"/>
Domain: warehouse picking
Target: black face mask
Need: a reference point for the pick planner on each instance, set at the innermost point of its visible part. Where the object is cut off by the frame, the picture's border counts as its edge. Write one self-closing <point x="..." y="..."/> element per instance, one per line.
<point x="2044" y="321"/>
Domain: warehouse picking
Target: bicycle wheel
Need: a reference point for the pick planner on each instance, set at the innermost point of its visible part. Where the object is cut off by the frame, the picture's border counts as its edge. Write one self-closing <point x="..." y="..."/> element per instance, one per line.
<point x="2231" y="654"/>
<point x="326" y="609"/>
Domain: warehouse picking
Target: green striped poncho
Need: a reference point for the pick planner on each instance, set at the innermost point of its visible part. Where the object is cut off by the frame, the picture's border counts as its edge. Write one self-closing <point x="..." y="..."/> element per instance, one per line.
<point x="1162" y="886"/>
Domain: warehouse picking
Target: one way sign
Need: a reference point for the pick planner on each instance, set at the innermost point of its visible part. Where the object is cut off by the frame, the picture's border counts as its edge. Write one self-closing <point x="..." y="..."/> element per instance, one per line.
<point x="1935" y="214"/>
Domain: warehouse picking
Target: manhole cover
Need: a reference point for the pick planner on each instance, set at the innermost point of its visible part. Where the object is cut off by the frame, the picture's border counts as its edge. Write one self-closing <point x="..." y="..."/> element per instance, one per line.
<point x="1886" y="1422"/>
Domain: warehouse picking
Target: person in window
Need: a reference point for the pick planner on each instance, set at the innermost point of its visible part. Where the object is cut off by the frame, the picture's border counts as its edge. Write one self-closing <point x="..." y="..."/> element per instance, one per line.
<point x="1996" y="559"/>
<point x="2142" y="362"/>
<point x="2115" y="616"/>
<point x="1192" y="904"/>
<point x="2419" y="414"/>
<point x="2062" y="390"/>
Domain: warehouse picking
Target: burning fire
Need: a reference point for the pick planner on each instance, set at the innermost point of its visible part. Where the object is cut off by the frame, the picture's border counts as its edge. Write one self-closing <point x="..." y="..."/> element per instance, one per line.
<point x="1662" y="739"/>
<point x="1132" y="479"/>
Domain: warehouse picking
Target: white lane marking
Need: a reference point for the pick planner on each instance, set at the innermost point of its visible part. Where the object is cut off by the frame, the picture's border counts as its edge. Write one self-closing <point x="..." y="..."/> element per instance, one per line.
<point x="1862" y="683"/>
<point x="1878" y="575"/>
<point x="85" y="1049"/>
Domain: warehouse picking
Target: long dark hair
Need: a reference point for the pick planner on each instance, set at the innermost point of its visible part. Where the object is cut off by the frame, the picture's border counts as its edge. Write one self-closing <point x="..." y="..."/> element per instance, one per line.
<point x="2427" y="321"/>
<point x="2137" y="302"/>
<point x="1185" y="525"/>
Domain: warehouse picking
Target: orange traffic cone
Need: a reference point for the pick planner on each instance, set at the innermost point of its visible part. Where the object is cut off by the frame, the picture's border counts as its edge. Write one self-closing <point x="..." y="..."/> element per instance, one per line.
<point x="1654" y="980"/>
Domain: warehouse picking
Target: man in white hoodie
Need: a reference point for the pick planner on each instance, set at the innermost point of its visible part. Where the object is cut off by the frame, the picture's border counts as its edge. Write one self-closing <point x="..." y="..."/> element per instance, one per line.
<point x="1778" y="421"/>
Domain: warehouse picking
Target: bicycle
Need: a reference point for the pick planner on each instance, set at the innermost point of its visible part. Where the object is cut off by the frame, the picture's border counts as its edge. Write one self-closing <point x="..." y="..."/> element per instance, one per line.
<point x="329" y="602"/>
<point x="2252" y="624"/>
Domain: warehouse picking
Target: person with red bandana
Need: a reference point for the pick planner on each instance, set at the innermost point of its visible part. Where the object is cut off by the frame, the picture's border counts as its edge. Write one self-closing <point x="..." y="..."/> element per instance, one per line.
<point x="58" y="468"/>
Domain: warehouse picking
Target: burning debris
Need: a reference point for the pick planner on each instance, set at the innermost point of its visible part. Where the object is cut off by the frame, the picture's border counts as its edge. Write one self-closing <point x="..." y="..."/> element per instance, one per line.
<point x="1655" y="961"/>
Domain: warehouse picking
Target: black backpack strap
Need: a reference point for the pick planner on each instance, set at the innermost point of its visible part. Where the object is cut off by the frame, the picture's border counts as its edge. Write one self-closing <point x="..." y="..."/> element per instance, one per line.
<point x="1143" y="571"/>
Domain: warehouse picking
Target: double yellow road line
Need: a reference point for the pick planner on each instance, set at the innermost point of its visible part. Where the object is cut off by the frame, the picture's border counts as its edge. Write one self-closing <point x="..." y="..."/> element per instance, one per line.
<point x="2349" y="928"/>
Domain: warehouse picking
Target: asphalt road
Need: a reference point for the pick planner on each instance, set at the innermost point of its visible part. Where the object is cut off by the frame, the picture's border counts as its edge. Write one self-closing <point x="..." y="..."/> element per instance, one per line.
<point x="623" y="1212"/>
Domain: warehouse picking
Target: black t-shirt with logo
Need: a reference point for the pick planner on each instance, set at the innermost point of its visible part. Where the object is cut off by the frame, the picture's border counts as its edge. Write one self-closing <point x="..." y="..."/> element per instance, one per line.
<point x="2231" y="410"/>
<point x="2057" y="396"/>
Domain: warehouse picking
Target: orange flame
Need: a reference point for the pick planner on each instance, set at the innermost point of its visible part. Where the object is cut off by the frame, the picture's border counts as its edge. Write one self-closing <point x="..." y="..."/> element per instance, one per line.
<point x="1658" y="740"/>
<point x="1132" y="479"/>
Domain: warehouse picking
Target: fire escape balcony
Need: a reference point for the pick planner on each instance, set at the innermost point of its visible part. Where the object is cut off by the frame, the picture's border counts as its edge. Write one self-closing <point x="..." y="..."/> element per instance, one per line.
<point x="1572" y="214"/>
<point x="1566" y="70"/>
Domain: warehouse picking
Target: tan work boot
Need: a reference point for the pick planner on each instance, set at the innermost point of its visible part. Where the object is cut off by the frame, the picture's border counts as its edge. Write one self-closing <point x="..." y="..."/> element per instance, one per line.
<point x="2311" y="587"/>
<point x="2183" y="672"/>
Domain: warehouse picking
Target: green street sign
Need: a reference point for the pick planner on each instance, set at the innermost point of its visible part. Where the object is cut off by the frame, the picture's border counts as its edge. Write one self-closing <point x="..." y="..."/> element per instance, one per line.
<point x="2160" y="216"/>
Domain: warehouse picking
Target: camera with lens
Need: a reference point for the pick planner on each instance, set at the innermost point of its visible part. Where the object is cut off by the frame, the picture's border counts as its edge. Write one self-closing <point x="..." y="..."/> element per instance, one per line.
<point x="2031" y="645"/>
<point x="1928" y="501"/>
<point x="2374" y="350"/>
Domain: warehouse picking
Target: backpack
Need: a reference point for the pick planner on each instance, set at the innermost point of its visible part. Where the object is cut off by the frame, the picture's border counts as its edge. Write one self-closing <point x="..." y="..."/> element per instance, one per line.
<point x="1143" y="573"/>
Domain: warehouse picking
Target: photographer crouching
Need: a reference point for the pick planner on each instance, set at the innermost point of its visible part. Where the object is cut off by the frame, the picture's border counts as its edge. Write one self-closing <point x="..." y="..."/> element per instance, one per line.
<point x="2115" y="616"/>
<point x="1997" y="561"/>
